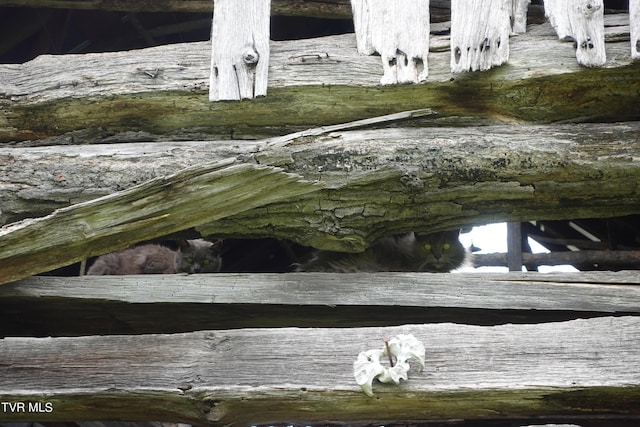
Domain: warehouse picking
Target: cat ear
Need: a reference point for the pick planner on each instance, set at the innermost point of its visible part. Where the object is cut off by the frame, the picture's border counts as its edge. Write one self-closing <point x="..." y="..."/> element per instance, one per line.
<point x="216" y="246"/>
<point x="183" y="244"/>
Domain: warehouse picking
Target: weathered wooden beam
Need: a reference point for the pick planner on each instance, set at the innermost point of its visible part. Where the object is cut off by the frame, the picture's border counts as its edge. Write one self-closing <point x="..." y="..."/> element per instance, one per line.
<point x="262" y="376"/>
<point x="374" y="185"/>
<point x="115" y="96"/>
<point x="107" y="305"/>
<point x="190" y="197"/>
<point x="611" y="259"/>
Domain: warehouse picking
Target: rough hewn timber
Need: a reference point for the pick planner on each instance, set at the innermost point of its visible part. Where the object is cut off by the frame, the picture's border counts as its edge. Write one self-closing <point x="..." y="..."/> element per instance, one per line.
<point x="108" y="305"/>
<point x="171" y="203"/>
<point x="114" y="96"/>
<point x="374" y="183"/>
<point x="262" y="376"/>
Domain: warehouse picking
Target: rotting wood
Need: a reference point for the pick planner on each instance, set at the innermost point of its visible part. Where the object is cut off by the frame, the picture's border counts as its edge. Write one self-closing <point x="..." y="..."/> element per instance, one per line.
<point x="372" y="186"/>
<point x="259" y="376"/>
<point x="170" y="203"/>
<point x="399" y="32"/>
<point x="109" y="97"/>
<point x="239" y="50"/>
<point x="76" y="306"/>
<point x="480" y="32"/>
<point x="583" y="22"/>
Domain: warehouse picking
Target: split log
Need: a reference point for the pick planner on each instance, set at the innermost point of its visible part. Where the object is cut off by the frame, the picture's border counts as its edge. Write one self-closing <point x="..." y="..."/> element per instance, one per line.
<point x="368" y="183"/>
<point x="161" y="93"/>
<point x="107" y="305"/>
<point x="172" y="203"/>
<point x="276" y="376"/>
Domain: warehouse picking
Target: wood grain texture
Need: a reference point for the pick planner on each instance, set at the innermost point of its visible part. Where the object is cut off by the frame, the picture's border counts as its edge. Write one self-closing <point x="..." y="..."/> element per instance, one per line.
<point x="399" y="33"/>
<point x="239" y="50"/>
<point x="155" y="207"/>
<point x="111" y="96"/>
<point x="256" y="376"/>
<point x="368" y="185"/>
<point x="72" y="306"/>
<point x="480" y="32"/>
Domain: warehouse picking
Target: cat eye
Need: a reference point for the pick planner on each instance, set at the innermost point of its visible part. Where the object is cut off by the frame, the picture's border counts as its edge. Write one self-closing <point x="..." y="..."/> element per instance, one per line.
<point x="189" y="260"/>
<point x="427" y="246"/>
<point x="206" y="261"/>
<point x="446" y="246"/>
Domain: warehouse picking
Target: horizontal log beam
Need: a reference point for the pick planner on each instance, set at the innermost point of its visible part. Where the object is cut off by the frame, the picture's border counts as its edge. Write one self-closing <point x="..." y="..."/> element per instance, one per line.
<point x="368" y="183"/>
<point x="161" y="93"/>
<point x="165" y="204"/>
<point x="106" y="305"/>
<point x="262" y="376"/>
<point x="611" y="259"/>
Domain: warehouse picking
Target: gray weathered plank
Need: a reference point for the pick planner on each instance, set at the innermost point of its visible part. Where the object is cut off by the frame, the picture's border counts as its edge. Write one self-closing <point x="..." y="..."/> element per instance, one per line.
<point x="72" y="306"/>
<point x="93" y="97"/>
<point x="256" y="376"/>
<point x="605" y="292"/>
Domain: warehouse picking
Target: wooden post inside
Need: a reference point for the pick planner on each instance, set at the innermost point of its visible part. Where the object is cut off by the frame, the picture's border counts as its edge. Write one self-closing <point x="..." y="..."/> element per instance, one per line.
<point x="514" y="246"/>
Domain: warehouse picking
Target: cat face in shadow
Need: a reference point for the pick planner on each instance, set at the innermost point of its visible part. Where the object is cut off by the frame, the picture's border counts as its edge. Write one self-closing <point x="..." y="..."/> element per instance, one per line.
<point x="438" y="252"/>
<point x="198" y="256"/>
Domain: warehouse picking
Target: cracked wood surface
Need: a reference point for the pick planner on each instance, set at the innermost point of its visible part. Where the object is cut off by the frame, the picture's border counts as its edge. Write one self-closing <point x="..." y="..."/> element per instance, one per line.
<point x="112" y="305"/>
<point x="261" y="376"/>
<point x="161" y="93"/>
<point x="365" y="184"/>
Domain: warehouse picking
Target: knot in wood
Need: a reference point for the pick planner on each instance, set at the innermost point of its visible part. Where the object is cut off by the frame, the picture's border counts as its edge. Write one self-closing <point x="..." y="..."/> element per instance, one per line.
<point x="590" y="8"/>
<point x="250" y="57"/>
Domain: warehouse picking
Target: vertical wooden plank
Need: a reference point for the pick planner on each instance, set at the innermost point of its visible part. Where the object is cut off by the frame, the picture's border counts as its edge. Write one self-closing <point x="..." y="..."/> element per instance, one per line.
<point x="240" y="49"/>
<point x="634" y="24"/>
<point x="519" y="16"/>
<point x="583" y="22"/>
<point x="479" y="34"/>
<point x="514" y="246"/>
<point x="399" y="31"/>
